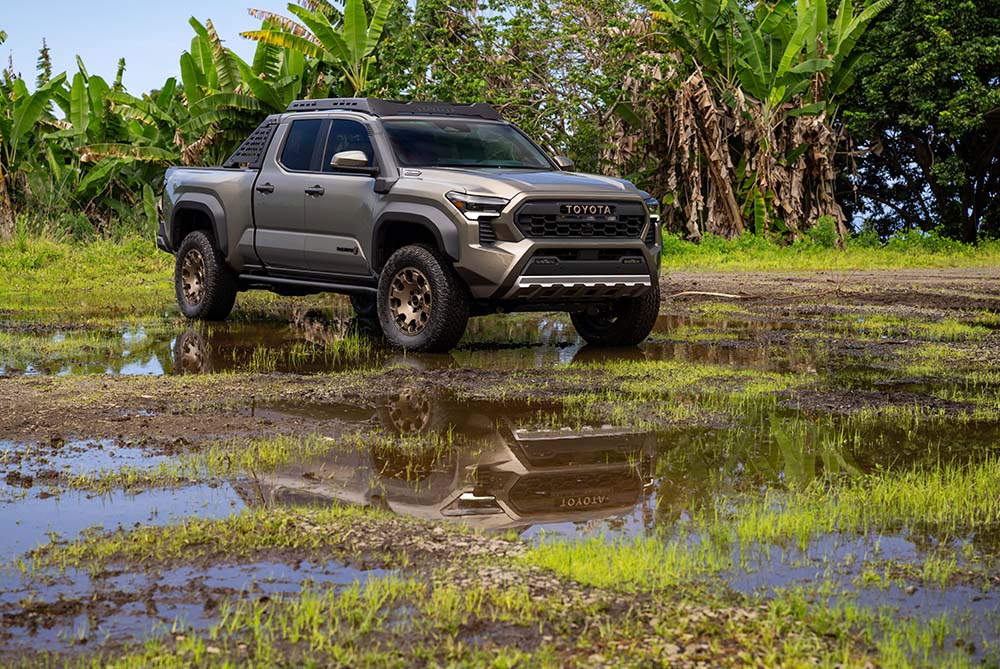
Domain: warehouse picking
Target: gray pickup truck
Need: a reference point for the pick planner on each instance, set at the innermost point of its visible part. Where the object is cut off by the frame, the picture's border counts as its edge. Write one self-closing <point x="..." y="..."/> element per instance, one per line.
<point x="423" y="213"/>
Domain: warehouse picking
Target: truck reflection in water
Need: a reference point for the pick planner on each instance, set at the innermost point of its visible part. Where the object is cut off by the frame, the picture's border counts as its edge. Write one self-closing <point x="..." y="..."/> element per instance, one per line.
<point x="475" y="464"/>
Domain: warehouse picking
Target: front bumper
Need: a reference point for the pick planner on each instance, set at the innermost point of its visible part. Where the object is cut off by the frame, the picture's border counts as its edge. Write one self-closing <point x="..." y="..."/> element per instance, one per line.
<point x="530" y="270"/>
<point x="577" y="288"/>
<point x="573" y="261"/>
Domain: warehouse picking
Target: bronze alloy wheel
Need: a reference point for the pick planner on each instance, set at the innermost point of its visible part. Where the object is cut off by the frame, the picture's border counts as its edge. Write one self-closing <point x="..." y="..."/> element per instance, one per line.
<point x="193" y="277"/>
<point x="412" y="412"/>
<point x="410" y="300"/>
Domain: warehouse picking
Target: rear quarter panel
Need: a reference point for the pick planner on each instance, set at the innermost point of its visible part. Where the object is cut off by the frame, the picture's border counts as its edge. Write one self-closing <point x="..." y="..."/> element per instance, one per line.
<point x="225" y="195"/>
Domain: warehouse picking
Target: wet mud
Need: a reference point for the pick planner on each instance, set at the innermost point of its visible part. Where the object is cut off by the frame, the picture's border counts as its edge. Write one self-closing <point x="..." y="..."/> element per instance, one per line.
<point x="521" y="435"/>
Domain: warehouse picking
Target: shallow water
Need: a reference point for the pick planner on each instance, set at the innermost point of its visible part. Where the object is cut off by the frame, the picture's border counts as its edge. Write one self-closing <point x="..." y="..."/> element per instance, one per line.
<point x="332" y="341"/>
<point x="169" y="602"/>
<point x="34" y="519"/>
<point x="532" y="468"/>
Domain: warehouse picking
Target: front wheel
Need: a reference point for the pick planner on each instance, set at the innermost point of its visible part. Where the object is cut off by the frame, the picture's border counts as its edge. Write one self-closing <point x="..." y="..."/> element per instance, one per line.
<point x="422" y="304"/>
<point x="206" y="288"/>
<point x="625" y="322"/>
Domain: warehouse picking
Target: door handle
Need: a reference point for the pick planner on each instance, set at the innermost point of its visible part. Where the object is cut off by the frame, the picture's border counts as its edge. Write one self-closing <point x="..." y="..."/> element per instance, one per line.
<point x="315" y="191"/>
<point x="265" y="188"/>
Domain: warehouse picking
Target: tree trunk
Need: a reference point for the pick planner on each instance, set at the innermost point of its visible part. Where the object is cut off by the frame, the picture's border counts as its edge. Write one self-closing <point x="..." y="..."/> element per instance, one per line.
<point x="6" y="209"/>
<point x="970" y="228"/>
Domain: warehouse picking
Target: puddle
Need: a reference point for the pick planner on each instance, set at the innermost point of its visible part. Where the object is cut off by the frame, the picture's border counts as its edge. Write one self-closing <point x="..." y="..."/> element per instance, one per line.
<point x="32" y="520"/>
<point x="529" y="468"/>
<point x="524" y="467"/>
<point x="151" y="605"/>
<point x="836" y="561"/>
<point x="41" y="463"/>
<point x="314" y="342"/>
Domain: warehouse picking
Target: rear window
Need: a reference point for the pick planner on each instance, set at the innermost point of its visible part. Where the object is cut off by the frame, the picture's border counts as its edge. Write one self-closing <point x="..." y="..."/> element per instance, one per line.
<point x="298" y="152"/>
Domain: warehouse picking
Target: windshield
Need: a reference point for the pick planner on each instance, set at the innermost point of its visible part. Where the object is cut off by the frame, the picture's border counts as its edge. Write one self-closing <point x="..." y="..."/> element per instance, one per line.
<point x="451" y="142"/>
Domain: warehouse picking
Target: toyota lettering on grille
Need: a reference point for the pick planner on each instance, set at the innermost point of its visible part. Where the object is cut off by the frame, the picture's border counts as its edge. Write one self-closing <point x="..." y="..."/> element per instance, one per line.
<point x="587" y="209"/>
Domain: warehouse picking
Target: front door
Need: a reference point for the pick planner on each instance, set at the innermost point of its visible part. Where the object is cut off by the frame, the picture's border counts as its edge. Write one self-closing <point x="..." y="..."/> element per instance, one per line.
<point x="338" y="213"/>
<point x="279" y="196"/>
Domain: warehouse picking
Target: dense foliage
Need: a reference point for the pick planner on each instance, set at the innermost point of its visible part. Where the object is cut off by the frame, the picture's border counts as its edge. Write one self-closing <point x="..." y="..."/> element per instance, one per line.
<point x="925" y="118"/>
<point x="735" y="114"/>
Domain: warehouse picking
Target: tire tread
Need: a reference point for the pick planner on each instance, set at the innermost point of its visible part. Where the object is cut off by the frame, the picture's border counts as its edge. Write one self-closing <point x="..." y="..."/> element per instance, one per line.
<point x="451" y="298"/>
<point x="221" y="285"/>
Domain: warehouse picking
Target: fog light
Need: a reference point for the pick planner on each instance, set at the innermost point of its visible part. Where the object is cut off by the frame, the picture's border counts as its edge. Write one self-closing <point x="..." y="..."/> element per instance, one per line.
<point x="470" y="504"/>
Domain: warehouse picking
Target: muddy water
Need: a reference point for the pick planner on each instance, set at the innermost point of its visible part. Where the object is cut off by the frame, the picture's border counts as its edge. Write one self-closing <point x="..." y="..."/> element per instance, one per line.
<point x="327" y="341"/>
<point x="496" y="466"/>
<point x="530" y="469"/>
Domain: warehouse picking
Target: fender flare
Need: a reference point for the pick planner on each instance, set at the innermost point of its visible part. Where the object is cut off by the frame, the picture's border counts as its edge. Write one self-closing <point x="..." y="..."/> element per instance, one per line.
<point x="211" y="207"/>
<point x="444" y="230"/>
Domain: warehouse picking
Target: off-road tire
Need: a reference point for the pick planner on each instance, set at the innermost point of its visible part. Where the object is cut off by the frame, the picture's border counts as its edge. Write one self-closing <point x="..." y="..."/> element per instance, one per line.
<point x="448" y="314"/>
<point x="218" y="282"/>
<point x="627" y="321"/>
<point x="191" y="354"/>
<point x="365" y="306"/>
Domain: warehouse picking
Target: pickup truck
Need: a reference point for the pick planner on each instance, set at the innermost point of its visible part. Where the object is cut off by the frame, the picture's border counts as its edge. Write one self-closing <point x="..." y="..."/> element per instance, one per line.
<point x="494" y="475"/>
<point x="423" y="213"/>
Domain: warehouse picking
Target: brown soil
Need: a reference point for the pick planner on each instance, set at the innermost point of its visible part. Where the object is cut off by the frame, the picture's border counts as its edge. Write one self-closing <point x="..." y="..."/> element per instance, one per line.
<point x="918" y="290"/>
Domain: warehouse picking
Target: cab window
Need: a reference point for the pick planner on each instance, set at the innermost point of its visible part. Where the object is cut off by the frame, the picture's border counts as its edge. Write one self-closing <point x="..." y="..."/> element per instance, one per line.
<point x="346" y="136"/>
<point x="297" y="154"/>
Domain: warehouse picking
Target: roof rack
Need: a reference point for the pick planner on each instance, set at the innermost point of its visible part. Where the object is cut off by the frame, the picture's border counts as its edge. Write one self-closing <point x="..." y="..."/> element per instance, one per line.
<point x="399" y="108"/>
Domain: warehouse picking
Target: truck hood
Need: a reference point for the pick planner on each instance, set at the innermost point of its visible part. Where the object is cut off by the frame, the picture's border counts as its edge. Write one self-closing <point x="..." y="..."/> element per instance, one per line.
<point x="509" y="183"/>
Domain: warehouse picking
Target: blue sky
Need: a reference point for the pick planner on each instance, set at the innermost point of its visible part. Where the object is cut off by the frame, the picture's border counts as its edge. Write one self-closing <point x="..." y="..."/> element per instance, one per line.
<point x="150" y="35"/>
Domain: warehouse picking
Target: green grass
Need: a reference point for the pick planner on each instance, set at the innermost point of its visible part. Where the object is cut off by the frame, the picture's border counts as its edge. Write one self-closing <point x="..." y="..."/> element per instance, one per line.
<point x="243" y="535"/>
<point x="248" y="458"/>
<point x="49" y="281"/>
<point x="942" y="329"/>
<point x="657" y="393"/>
<point x="898" y="643"/>
<point x="97" y="283"/>
<point x="648" y="564"/>
<point x="950" y="500"/>
<point x="912" y="250"/>
<point x="431" y="617"/>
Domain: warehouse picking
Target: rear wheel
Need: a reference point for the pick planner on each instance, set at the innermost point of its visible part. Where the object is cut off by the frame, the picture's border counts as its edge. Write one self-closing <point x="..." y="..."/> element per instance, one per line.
<point x="205" y="286"/>
<point x="625" y="322"/>
<point x="422" y="304"/>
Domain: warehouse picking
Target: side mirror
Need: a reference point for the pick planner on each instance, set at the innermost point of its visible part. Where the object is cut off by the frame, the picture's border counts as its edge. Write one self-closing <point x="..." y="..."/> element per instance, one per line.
<point x="349" y="159"/>
<point x="564" y="163"/>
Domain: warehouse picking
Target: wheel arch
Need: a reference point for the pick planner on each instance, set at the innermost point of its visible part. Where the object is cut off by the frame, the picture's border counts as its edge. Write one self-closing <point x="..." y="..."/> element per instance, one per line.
<point x="397" y="228"/>
<point x="199" y="212"/>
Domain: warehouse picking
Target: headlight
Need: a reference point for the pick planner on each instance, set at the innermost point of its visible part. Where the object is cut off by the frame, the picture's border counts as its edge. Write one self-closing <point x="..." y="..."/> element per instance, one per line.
<point x="653" y="206"/>
<point x="474" y="207"/>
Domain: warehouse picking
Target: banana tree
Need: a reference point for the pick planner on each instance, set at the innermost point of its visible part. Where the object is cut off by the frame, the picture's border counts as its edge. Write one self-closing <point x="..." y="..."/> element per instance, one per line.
<point x="346" y="42"/>
<point x="94" y="156"/>
<point x="20" y="113"/>
<point x="750" y="128"/>
<point x="226" y="97"/>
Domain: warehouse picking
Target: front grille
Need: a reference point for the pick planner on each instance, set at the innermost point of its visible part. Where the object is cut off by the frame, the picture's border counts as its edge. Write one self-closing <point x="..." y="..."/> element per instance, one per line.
<point x="606" y="488"/>
<point x="543" y="220"/>
<point x="487" y="234"/>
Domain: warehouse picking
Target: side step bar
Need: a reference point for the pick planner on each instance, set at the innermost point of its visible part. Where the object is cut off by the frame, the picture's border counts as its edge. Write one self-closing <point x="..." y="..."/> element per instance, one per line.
<point x="308" y="284"/>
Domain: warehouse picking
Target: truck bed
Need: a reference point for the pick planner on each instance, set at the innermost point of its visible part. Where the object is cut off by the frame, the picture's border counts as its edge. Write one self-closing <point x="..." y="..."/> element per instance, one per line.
<point x="226" y="194"/>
